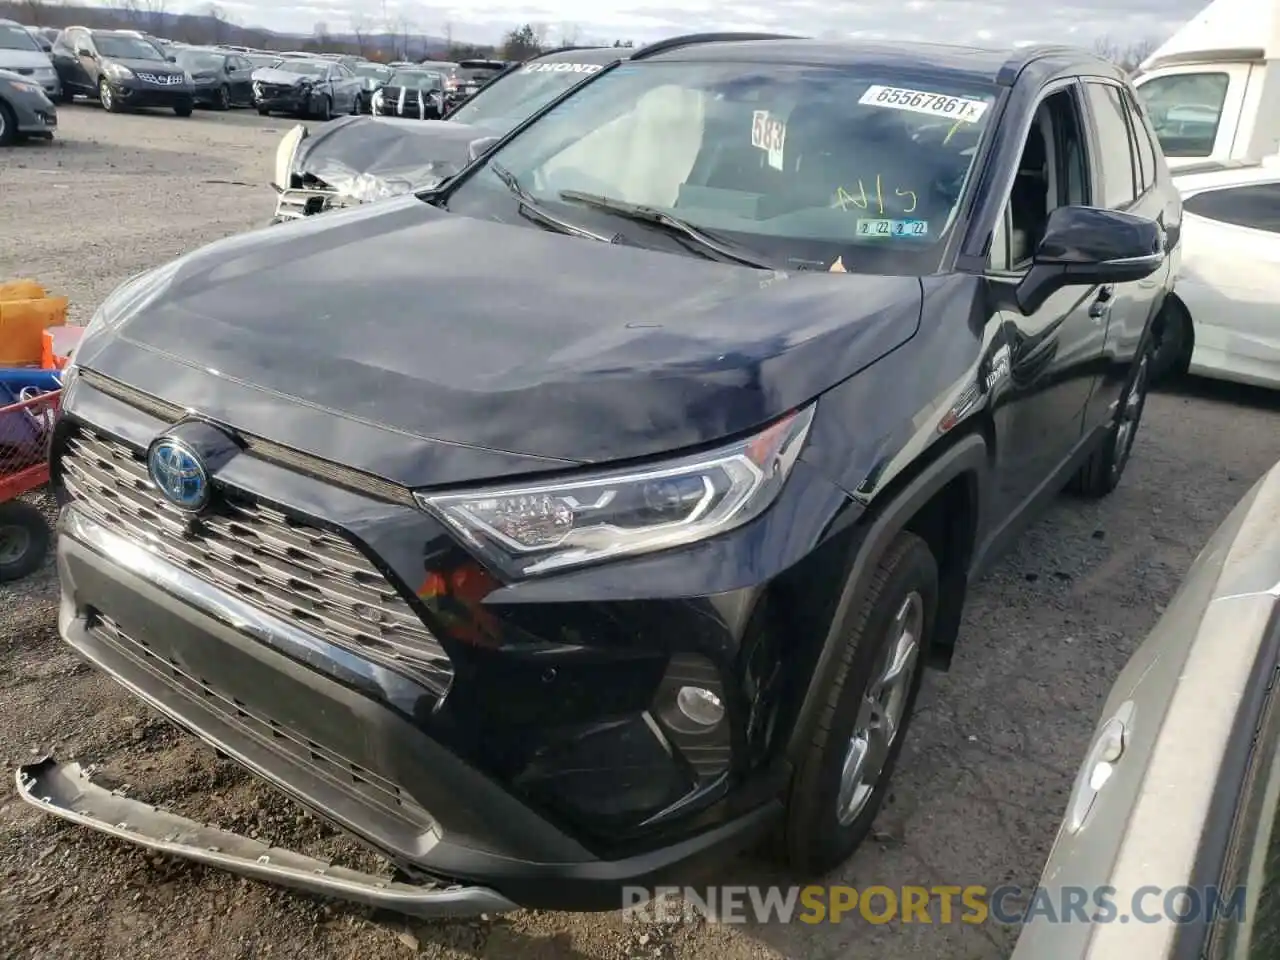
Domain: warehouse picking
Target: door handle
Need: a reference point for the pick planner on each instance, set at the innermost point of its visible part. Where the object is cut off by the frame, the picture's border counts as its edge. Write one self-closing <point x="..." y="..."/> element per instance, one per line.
<point x="1101" y="305"/>
<point x="1105" y="293"/>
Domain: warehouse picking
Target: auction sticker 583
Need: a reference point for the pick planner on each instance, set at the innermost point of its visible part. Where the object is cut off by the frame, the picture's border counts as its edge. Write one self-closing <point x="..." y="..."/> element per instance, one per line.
<point x="922" y="101"/>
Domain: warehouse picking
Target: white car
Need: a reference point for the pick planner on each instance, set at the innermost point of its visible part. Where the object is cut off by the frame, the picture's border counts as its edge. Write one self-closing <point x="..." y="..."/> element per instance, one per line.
<point x="1224" y="322"/>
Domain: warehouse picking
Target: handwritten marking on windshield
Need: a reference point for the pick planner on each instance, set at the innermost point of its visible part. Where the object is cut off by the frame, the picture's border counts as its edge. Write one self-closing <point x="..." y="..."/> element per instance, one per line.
<point x="859" y="199"/>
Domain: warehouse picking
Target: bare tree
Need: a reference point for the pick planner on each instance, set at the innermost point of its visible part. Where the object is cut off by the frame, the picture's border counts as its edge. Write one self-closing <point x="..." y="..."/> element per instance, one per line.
<point x="219" y="20"/>
<point x="403" y="33"/>
<point x="321" y="33"/>
<point x="360" y="30"/>
<point x="539" y="35"/>
<point x="569" y="34"/>
<point x="1126" y="56"/>
<point x="156" y="13"/>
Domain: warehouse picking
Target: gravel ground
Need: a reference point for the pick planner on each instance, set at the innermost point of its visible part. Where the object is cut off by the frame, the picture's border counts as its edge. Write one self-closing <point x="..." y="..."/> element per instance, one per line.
<point x="985" y="772"/>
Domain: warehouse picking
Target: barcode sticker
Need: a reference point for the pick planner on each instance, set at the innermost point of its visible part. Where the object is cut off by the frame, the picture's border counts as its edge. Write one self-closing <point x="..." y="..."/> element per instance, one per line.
<point x="922" y="101"/>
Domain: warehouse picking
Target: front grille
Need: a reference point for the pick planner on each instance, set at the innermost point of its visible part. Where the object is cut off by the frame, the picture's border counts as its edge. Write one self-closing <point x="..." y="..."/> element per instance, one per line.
<point x="276" y="90"/>
<point x="367" y="787"/>
<point x="163" y="79"/>
<point x="285" y="568"/>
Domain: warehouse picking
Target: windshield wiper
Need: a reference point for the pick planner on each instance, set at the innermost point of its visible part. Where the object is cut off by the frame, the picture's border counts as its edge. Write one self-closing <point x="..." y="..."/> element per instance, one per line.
<point x="530" y="209"/>
<point x="705" y="242"/>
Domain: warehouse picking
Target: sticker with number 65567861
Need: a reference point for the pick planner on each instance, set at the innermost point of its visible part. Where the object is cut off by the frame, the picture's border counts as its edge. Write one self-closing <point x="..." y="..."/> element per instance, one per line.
<point x="942" y="105"/>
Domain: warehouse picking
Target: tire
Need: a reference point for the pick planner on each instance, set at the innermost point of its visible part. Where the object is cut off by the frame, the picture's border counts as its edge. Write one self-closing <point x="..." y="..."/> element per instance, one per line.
<point x="326" y="110"/>
<point x="1101" y="473"/>
<point x="184" y="109"/>
<point x="24" y="540"/>
<point x="825" y="819"/>
<point x="263" y="112"/>
<point x="8" y="126"/>
<point x="224" y="98"/>
<point x="1175" y="337"/>
<point x="107" y="98"/>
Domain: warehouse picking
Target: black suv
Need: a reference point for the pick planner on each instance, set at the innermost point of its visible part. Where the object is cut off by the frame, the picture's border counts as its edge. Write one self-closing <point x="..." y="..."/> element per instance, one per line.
<point x="620" y="533"/>
<point x="120" y="70"/>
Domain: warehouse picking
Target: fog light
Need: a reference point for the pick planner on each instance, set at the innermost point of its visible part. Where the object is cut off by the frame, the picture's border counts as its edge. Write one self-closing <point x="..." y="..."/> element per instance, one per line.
<point x="700" y="705"/>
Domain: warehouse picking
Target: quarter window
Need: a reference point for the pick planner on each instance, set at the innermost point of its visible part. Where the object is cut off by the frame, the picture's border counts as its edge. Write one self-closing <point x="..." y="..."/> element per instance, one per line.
<point x="1255" y="205"/>
<point x="1115" y="147"/>
<point x="1186" y="109"/>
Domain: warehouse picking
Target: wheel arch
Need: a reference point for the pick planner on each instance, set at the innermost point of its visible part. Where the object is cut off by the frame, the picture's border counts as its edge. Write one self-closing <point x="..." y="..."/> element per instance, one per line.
<point x="939" y="502"/>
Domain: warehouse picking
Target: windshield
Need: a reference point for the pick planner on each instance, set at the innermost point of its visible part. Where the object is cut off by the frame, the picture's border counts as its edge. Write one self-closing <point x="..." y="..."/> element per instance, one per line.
<point x="305" y="68"/>
<point x="522" y="92"/>
<point x="374" y="70"/>
<point x="416" y="80"/>
<point x="126" y="48"/>
<point x="200" y="62"/>
<point x="261" y="60"/>
<point x="812" y="167"/>
<point x="16" y="38"/>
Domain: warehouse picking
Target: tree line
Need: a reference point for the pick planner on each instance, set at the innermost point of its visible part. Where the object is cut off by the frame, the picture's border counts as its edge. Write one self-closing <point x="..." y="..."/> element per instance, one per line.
<point x="392" y="39"/>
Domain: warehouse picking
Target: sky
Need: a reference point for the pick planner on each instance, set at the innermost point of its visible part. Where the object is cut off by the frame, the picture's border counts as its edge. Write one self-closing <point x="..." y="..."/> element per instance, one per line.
<point x="984" y="22"/>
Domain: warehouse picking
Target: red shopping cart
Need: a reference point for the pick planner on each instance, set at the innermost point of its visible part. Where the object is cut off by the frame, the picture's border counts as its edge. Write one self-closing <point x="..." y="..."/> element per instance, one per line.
<point x="25" y="428"/>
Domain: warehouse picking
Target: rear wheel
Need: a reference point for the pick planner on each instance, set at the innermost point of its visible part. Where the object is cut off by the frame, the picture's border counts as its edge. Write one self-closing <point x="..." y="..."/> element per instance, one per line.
<point x="264" y="112"/>
<point x="1101" y="473"/>
<point x="842" y="778"/>
<point x="326" y="109"/>
<point x="224" y="98"/>
<point x="24" y="540"/>
<point x="1174" y="339"/>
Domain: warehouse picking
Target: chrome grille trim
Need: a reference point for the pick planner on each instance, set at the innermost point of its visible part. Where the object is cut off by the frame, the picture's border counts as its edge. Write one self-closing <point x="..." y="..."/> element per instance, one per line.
<point x="368" y="787"/>
<point x="317" y="579"/>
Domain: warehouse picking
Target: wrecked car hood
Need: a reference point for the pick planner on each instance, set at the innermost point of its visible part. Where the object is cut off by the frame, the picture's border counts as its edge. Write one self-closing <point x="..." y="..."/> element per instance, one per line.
<point x="373" y="158"/>
<point x="385" y="335"/>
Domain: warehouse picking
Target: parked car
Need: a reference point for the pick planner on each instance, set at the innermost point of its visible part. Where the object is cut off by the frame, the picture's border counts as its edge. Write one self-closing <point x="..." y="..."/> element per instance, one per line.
<point x="262" y="59"/>
<point x="619" y="533"/>
<point x="412" y="94"/>
<point x="121" y="71"/>
<point x="471" y="77"/>
<point x="360" y="161"/>
<point x="23" y="54"/>
<point x="306" y="88"/>
<point x="372" y="77"/>
<point x="1175" y="805"/>
<point x="25" y="109"/>
<point x="222" y="79"/>
<point x="1222" y="319"/>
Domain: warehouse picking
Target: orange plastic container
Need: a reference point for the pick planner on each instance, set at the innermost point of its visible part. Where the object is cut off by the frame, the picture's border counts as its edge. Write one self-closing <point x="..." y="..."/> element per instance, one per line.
<point x="26" y="311"/>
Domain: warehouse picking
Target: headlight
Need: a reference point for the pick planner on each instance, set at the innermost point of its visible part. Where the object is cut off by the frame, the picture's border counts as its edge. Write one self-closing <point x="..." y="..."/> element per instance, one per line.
<point x="116" y="71"/>
<point x="187" y="78"/>
<point x="284" y="156"/>
<point x="540" y="528"/>
<point x="26" y="87"/>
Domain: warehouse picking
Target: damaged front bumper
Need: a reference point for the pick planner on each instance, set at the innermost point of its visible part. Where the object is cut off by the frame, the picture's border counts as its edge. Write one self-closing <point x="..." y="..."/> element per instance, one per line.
<point x="67" y="791"/>
<point x="294" y="203"/>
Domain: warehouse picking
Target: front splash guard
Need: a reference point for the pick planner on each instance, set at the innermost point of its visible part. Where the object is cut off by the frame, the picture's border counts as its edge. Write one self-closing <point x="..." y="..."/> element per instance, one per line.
<point x="66" y="791"/>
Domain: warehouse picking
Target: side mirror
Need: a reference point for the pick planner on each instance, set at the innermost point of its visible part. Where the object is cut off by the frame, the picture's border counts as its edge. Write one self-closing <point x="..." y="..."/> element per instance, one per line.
<point x="231" y="68"/>
<point x="84" y="52"/>
<point x="171" y="58"/>
<point x="478" y="148"/>
<point x="46" y="46"/>
<point x="1088" y="246"/>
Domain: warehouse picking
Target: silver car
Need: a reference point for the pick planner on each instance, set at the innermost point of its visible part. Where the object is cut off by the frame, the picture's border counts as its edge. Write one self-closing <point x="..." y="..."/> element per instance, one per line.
<point x="21" y="53"/>
<point x="1170" y="846"/>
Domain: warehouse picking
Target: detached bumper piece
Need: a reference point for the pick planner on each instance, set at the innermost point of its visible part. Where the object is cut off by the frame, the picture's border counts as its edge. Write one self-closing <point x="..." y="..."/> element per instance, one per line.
<point x="295" y="203"/>
<point x="66" y="791"/>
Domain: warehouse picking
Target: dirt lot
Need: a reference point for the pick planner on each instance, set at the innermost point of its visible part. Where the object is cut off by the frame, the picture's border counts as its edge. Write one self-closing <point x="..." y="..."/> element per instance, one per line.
<point x="981" y="785"/>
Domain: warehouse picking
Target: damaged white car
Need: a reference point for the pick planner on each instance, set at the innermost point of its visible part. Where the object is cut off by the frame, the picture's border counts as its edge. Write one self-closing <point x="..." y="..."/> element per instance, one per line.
<point x="362" y="159"/>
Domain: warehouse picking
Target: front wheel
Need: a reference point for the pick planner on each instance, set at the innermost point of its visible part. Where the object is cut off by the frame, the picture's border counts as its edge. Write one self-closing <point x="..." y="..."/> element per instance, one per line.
<point x="224" y="98"/>
<point x="184" y="109"/>
<point x="8" y="126"/>
<point x="1101" y="473"/>
<point x="24" y="540"/>
<point x="263" y="112"/>
<point x="843" y="776"/>
<point x="107" y="97"/>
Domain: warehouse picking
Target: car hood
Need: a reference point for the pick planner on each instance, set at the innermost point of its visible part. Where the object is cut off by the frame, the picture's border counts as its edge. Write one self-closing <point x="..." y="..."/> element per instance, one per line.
<point x="276" y="75"/>
<point x="159" y="67"/>
<point x="438" y="329"/>
<point x="373" y="158"/>
<point x="24" y="60"/>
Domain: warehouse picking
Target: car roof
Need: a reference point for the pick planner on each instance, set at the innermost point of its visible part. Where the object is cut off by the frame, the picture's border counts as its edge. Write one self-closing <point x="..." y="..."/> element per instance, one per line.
<point x="585" y="55"/>
<point x="981" y="64"/>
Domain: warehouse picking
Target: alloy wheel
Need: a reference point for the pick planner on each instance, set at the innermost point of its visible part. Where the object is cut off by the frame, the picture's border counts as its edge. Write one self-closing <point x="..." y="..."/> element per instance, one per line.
<point x="880" y="713"/>
<point x="104" y="94"/>
<point x="1130" y="413"/>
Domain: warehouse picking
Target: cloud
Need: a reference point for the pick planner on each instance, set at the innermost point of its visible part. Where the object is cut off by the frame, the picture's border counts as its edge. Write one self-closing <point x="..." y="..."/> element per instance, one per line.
<point x="984" y="22"/>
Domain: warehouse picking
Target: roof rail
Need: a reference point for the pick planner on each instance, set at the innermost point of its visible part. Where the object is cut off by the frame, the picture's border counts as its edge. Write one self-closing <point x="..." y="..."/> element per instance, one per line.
<point x="1008" y="73"/>
<point x="689" y="39"/>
